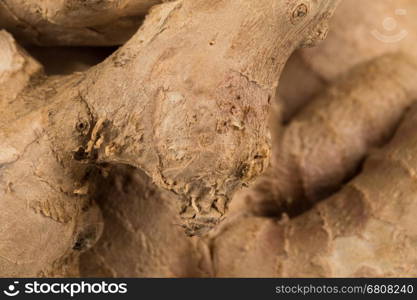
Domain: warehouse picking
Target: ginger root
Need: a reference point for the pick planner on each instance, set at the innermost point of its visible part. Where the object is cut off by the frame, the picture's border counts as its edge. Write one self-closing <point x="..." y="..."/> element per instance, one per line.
<point x="320" y="69"/>
<point x="368" y="252"/>
<point x="324" y="144"/>
<point x="317" y="211"/>
<point x="16" y="68"/>
<point x="152" y="106"/>
<point x="367" y="229"/>
<point x="359" y="32"/>
<point x="73" y="22"/>
<point x="143" y="235"/>
<point x="375" y="28"/>
<point x="103" y="166"/>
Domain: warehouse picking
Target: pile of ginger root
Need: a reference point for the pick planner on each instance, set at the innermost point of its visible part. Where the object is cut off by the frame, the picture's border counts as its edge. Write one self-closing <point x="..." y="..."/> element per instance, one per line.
<point x="208" y="138"/>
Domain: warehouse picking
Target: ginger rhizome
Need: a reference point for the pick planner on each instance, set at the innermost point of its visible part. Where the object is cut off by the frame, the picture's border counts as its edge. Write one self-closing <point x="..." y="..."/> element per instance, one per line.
<point x="325" y="143"/>
<point x="359" y="32"/>
<point x="365" y="229"/>
<point x="151" y="245"/>
<point x="150" y="105"/>
<point x="364" y="249"/>
<point x="73" y="22"/>
<point x="102" y="167"/>
<point x="246" y="245"/>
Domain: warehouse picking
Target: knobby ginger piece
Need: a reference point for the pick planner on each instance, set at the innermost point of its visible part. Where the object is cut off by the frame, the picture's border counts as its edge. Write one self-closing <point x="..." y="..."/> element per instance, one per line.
<point x="184" y="100"/>
<point x="368" y="229"/>
<point x="73" y="22"/>
<point x="360" y="31"/>
<point x="16" y="68"/>
<point x="325" y="143"/>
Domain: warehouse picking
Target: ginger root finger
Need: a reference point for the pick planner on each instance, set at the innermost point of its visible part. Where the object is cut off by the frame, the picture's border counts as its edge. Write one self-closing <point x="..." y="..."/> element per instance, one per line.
<point x="72" y="22"/>
<point x="153" y="106"/>
<point x="324" y="144"/>
<point x="180" y="119"/>
<point x="362" y="31"/>
<point x="46" y="219"/>
<point x="17" y="68"/>
<point x="359" y="32"/>
<point x="367" y="229"/>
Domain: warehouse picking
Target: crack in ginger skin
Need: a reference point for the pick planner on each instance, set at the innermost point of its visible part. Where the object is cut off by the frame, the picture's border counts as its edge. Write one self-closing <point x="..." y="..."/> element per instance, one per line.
<point x="158" y="77"/>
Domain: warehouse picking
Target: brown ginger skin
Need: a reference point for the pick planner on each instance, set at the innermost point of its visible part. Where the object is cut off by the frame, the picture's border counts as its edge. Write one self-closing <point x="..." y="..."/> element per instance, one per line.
<point x="367" y="229"/>
<point x="228" y="109"/>
<point x="324" y="144"/>
<point x="44" y="230"/>
<point x="16" y="68"/>
<point x="142" y="235"/>
<point x="258" y="238"/>
<point x="73" y="22"/>
<point x="145" y="107"/>
<point x="291" y="95"/>
<point x="246" y="246"/>
<point x="360" y="31"/>
<point x="351" y="42"/>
